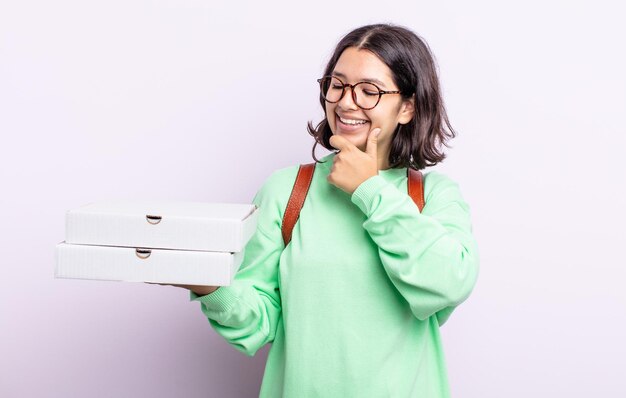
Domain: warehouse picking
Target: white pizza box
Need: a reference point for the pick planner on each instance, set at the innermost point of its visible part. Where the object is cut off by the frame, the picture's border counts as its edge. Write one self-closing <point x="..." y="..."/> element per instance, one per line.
<point x="146" y="265"/>
<point x="222" y="227"/>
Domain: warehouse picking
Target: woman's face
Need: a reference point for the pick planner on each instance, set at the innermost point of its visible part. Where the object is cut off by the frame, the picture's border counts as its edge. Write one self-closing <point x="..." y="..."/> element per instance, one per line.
<point x="355" y="66"/>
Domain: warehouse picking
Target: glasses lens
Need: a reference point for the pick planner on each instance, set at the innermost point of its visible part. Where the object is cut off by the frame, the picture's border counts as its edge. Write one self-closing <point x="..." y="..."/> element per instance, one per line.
<point x="332" y="88"/>
<point x="367" y="95"/>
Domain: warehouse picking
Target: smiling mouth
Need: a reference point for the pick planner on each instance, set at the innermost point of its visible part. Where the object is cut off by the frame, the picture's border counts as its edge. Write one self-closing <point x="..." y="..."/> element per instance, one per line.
<point x="351" y="122"/>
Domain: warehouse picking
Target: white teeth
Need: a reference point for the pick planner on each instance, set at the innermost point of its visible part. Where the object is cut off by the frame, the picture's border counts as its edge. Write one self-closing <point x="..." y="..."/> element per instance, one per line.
<point x="352" y="122"/>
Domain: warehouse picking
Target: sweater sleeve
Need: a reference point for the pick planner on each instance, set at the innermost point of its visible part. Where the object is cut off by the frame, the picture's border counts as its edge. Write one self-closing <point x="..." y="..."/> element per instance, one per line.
<point x="430" y="257"/>
<point x="247" y="312"/>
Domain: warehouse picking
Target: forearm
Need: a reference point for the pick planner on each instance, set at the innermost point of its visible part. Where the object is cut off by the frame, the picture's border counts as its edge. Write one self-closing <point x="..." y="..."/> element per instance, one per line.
<point x="246" y="312"/>
<point x="246" y="317"/>
<point x="430" y="257"/>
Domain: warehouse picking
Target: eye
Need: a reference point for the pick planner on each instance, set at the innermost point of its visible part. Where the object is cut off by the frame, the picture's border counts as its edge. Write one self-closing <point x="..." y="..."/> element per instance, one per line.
<point x="370" y="93"/>
<point x="337" y="87"/>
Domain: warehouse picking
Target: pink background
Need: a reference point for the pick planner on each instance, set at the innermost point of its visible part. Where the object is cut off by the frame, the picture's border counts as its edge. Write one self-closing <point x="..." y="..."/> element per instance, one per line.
<point x="201" y="102"/>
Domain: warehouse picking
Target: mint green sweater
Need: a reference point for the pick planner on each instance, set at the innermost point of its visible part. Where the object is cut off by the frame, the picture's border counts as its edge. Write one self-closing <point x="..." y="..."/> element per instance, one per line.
<point x="354" y="303"/>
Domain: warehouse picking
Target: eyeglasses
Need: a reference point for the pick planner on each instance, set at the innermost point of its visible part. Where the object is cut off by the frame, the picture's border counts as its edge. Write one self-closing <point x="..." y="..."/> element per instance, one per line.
<point x="365" y="95"/>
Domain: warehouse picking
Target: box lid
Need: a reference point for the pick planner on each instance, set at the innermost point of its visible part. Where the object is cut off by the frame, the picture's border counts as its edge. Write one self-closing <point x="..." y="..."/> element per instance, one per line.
<point x="200" y="226"/>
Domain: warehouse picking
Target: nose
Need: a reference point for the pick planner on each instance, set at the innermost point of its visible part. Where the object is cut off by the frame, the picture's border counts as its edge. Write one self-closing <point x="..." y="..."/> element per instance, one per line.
<point x="347" y="102"/>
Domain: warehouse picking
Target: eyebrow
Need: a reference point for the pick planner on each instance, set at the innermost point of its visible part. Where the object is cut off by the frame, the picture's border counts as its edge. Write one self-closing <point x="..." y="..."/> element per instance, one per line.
<point x="369" y="80"/>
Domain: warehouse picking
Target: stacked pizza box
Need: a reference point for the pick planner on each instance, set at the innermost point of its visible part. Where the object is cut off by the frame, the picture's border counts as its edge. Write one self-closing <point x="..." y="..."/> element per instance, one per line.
<point x="156" y="241"/>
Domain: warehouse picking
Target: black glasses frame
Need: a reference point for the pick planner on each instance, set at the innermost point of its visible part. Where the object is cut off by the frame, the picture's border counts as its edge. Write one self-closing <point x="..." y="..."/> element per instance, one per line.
<point x="352" y="86"/>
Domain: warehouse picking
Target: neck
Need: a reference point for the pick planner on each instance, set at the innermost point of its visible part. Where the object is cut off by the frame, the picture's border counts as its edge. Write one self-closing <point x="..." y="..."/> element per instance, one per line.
<point x="383" y="157"/>
<point x="383" y="163"/>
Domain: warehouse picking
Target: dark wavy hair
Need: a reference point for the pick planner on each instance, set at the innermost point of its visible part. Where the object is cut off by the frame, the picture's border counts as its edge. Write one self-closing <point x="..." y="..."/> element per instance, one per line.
<point x="418" y="143"/>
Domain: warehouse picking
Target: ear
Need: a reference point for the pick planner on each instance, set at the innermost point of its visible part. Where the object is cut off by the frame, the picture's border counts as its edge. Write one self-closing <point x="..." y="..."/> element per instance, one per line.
<point x="407" y="110"/>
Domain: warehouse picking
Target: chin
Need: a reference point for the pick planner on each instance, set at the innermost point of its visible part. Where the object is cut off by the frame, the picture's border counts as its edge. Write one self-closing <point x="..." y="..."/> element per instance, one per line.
<point x="359" y="142"/>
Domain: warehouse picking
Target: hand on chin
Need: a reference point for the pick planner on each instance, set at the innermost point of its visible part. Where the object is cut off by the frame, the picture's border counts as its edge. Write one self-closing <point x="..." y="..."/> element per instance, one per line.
<point x="358" y="141"/>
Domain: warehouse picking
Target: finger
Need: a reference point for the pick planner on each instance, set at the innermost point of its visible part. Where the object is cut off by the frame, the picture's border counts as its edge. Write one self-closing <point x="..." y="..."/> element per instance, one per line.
<point x="339" y="142"/>
<point x="372" y="142"/>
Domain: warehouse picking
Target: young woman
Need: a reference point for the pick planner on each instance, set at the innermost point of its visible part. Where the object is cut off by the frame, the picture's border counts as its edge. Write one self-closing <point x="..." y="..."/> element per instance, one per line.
<point x="354" y="302"/>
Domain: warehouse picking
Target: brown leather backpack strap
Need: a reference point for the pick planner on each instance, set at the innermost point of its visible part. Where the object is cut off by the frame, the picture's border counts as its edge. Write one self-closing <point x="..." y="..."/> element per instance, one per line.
<point x="296" y="200"/>
<point x="415" y="181"/>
